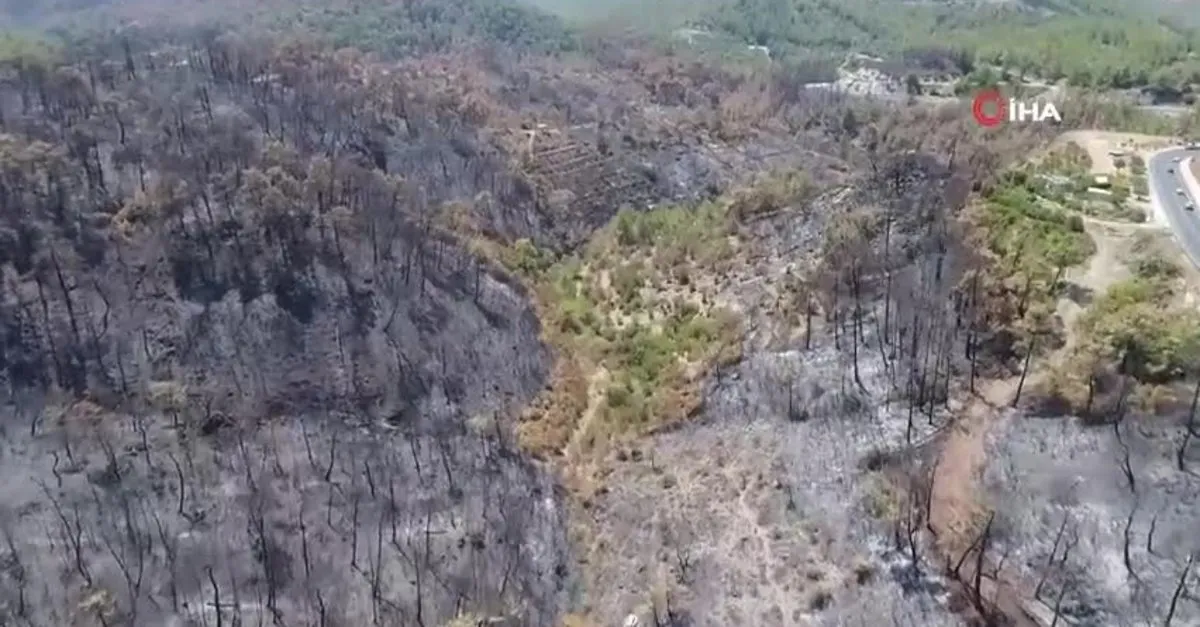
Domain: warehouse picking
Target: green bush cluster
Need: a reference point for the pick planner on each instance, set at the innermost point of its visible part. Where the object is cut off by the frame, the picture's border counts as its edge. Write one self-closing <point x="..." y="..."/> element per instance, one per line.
<point x="1028" y="232"/>
<point x="1136" y="322"/>
<point x="1063" y="178"/>
<point x="22" y="48"/>
<point x="526" y="259"/>
<point x="1070" y="160"/>
<point x="600" y="306"/>
<point x="669" y="226"/>
<point x="647" y="359"/>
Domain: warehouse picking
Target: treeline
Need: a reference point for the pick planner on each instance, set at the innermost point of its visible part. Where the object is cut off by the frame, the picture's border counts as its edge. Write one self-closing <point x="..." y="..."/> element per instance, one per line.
<point x="1090" y="43"/>
<point x="393" y="29"/>
<point x="1103" y="52"/>
<point x="430" y="26"/>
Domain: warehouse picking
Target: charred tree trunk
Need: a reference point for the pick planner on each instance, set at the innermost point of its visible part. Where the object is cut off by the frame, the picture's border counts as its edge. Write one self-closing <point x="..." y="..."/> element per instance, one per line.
<point x="1025" y="370"/>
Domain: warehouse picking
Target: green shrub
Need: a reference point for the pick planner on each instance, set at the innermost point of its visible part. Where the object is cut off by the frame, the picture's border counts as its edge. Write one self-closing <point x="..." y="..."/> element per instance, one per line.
<point x="526" y="259"/>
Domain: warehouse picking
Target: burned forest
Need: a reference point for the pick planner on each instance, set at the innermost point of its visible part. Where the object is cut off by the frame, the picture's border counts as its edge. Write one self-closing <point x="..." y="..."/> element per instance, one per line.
<point x="592" y="333"/>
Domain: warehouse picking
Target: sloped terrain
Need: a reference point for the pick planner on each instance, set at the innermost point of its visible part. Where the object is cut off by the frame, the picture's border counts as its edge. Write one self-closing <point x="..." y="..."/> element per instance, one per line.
<point x="481" y="335"/>
<point x="213" y="335"/>
<point x="252" y="369"/>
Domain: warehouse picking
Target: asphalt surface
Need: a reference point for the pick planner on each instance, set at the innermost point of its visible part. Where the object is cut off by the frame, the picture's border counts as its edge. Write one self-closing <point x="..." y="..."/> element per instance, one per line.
<point x="1165" y="179"/>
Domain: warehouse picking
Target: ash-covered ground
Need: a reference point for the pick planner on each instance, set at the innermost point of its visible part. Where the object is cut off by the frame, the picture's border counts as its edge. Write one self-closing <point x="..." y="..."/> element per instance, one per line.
<point x="336" y="505"/>
<point x="766" y="510"/>
<point x="249" y="378"/>
<point x="246" y="378"/>
<point x="1059" y="486"/>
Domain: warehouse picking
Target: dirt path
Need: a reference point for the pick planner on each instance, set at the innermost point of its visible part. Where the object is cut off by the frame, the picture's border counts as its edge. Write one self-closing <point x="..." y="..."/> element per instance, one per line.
<point x="585" y="428"/>
<point x="957" y="512"/>
<point x="1098" y="145"/>
<point x="1105" y="267"/>
<point x="956" y="508"/>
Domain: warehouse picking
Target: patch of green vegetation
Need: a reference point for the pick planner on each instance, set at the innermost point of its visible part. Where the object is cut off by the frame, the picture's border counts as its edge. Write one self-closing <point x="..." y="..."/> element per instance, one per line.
<point x="1063" y="179"/>
<point x="1027" y="231"/>
<point x="1090" y="43"/>
<point x="526" y="259"/>
<point x="1034" y="242"/>
<point x="649" y="362"/>
<point x="677" y="236"/>
<point x="619" y="307"/>
<point x="391" y="29"/>
<point x="1093" y="43"/>
<point x="424" y="25"/>
<point x="1136" y="177"/>
<point x="1138" y="323"/>
<point x="1091" y="49"/>
<point x="772" y="192"/>
<point x="1121" y="211"/>
<point x="1137" y="332"/>
<point x="1070" y="160"/>
<point x="27" y="49"/>
<point x="1123" y="115"/>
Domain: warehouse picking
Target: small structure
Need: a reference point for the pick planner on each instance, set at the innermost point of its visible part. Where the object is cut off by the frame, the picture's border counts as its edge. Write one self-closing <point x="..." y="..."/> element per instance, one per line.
<point x="1102" y="181"/>
<point x="763" y="50"/>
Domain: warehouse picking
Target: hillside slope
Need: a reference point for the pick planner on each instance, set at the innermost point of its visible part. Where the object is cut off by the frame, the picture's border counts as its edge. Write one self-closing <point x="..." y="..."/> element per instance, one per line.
<point x="1090" y="42"/>
<point x="497" y="322"/>
<point x="1100" y="43"/>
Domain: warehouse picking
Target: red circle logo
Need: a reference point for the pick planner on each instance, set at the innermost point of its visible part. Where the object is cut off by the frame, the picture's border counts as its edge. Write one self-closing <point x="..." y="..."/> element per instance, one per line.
<point x="999" y="105"/>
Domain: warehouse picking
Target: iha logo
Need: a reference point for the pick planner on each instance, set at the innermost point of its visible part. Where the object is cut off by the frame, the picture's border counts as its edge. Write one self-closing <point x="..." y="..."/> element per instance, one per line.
<point x="991" y="108"/>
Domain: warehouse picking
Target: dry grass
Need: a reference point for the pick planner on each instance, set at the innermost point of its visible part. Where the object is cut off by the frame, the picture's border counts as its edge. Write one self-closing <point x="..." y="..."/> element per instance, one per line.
<point x="1098" y="144"/>
<point x="550" y="419"/>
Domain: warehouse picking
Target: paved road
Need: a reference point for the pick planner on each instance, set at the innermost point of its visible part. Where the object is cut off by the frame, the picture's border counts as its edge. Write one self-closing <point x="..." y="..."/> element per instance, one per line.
<point x="1165" y="181"/>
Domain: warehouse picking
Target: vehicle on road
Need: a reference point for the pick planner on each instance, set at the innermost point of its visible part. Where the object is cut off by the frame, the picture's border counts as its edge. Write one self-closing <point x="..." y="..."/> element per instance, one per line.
<point x="1179" y="190"/>
<point x="1189" y="207"/>
<point x="1170" y="170"/>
